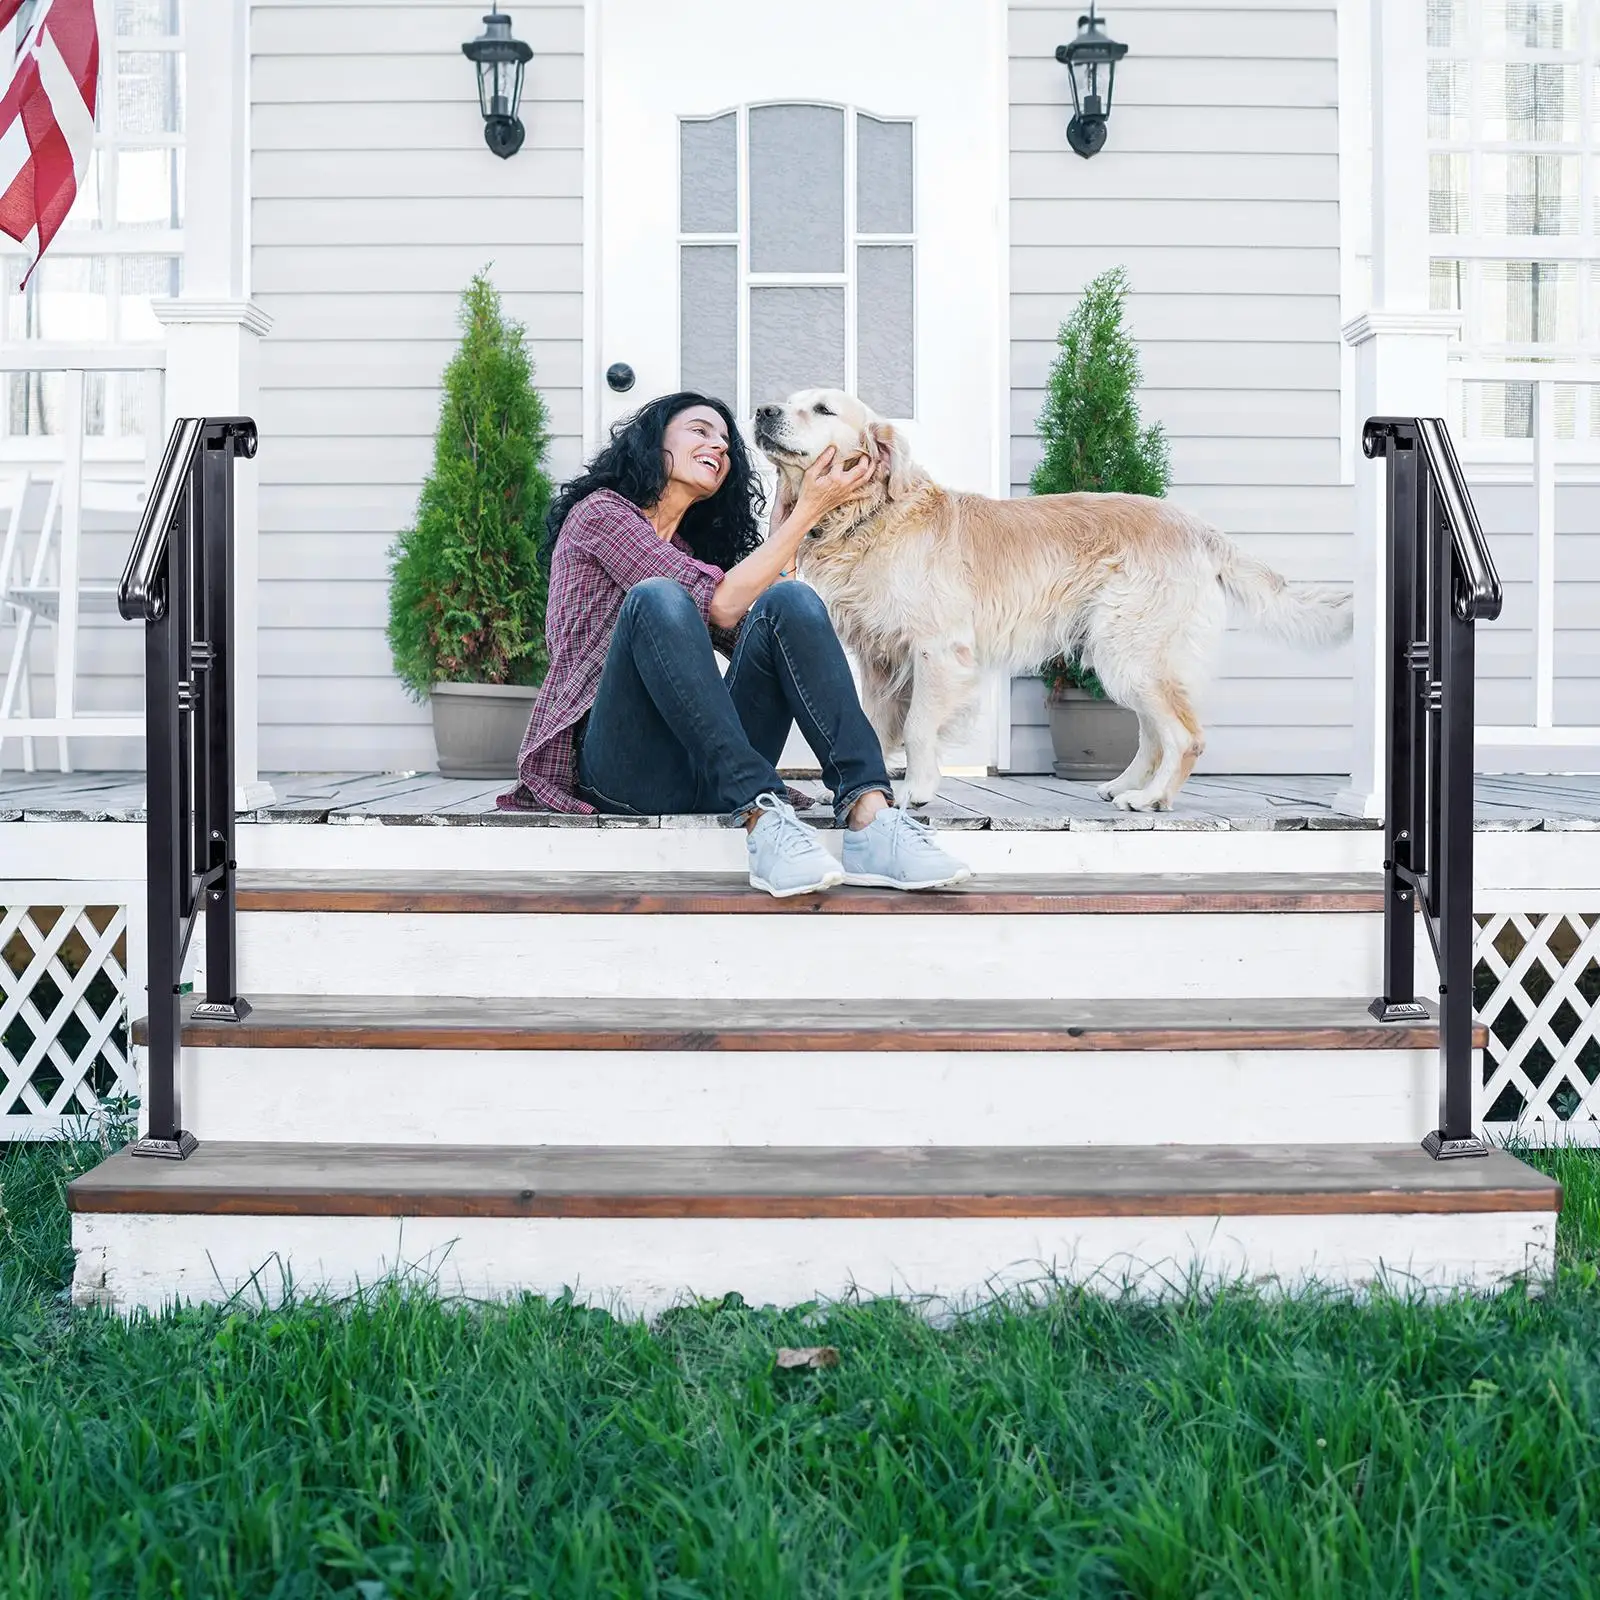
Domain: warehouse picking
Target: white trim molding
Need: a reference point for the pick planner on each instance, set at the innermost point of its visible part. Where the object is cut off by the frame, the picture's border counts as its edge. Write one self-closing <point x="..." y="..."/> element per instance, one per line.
<point x="245" y="314"/>
<point x="1373" y="324"/>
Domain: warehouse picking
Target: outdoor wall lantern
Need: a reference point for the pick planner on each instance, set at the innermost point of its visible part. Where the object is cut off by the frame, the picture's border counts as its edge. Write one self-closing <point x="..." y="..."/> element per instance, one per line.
<point x="500" y="61"/>
<point x="1083" y="59"/>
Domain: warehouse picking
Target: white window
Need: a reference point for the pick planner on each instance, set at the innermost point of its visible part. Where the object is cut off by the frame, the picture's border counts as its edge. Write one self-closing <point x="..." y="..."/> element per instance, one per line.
<point x="797" y="255"/>
<point x="1514" y="206"/>
<point x="122" y="244"/>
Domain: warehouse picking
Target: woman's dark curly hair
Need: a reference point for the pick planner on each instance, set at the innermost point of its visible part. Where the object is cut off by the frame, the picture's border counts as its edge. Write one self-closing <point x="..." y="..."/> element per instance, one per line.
<point x="721" y="529"/>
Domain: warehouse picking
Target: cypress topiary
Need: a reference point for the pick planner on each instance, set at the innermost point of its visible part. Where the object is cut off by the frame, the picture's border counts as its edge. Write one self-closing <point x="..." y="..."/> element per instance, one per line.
<point x="466" y="589"/>
<point x="1093" y="439"/>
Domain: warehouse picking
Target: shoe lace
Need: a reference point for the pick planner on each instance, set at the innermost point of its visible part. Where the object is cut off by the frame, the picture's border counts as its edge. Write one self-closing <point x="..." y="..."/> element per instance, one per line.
<point x="791" y="837"/>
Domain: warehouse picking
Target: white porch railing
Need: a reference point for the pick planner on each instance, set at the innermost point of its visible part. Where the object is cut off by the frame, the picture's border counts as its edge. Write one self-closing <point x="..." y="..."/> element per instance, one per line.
<point x="1543" y="733"/>
<point x="48" y="588"/>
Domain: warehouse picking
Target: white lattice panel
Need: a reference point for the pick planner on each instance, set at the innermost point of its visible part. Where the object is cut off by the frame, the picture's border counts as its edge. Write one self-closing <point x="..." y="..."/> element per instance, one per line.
<point x="1536" y="985"/>
<point x="64" y="1049"/>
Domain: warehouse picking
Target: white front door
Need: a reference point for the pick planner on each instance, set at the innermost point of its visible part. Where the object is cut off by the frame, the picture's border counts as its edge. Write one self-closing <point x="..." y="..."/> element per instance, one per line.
<point x="795" y="197"/>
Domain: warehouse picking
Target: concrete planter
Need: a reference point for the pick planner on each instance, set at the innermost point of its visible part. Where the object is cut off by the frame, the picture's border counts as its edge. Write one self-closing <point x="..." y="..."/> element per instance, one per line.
<point x="478" y="728"/>
<point x="1094" y="739"/>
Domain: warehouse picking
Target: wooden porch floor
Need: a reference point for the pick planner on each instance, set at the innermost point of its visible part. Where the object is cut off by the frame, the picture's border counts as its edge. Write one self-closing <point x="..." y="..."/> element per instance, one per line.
<point x="1219" y="802"/>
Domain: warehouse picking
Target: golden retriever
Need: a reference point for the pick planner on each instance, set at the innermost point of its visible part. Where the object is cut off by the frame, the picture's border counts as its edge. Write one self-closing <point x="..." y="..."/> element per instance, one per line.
<point x="927" y="587"/>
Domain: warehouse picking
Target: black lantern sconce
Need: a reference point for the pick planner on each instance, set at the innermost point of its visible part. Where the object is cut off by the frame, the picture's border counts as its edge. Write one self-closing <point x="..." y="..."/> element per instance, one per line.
<point x="500" y="61"/>
<point x="1084" y="58"/>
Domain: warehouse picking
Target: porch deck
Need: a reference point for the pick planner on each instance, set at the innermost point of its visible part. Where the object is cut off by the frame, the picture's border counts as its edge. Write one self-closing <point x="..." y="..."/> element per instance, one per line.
<point x="1213" y="803"/>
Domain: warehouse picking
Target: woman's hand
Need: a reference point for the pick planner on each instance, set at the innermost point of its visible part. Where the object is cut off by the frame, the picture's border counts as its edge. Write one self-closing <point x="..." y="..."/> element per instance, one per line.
<point x="829" y="484"/>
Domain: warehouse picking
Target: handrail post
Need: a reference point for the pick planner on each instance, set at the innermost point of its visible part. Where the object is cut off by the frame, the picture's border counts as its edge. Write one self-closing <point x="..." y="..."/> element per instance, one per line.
<point x="1441" y="579"/>
<point x="165" y="1134"/>
<point x="179" y="582"/>
<point x="1452" y="875"/>
<point x="222" y="1001"/>
<point x="1398" y="1002"/>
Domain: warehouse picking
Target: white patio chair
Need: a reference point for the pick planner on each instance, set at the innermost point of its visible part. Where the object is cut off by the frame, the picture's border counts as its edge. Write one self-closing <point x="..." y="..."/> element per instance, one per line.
<point x="38" y="599"/>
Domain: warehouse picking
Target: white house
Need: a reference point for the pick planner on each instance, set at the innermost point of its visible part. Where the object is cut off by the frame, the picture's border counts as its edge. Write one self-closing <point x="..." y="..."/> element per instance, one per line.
<point x="1328" y="210"/>
<point x="289" y="197"/>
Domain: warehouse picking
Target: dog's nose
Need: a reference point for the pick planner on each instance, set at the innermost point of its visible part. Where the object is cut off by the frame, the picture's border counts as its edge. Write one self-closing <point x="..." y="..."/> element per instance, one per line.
<point x="769" y="413"/>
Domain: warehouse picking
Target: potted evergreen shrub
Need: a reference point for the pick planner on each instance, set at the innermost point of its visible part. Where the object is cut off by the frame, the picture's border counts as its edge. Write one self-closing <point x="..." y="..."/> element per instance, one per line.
<point x="1093" y="440"/>
<point x="466" y="589"/>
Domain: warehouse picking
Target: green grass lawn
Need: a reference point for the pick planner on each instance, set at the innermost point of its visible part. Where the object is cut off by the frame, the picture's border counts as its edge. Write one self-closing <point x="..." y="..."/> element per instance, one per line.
<point x="1221" y="1446"/>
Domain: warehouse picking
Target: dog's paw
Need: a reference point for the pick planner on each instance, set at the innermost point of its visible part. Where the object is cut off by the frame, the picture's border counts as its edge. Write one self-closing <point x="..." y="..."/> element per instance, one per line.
<point x="1142" y="800"/>
<point x="920" y="791"/>
<point x="1107" y="791"/>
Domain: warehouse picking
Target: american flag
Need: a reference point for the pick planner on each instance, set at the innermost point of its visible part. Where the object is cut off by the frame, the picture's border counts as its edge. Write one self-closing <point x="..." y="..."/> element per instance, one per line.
<point x="46" y="117"/>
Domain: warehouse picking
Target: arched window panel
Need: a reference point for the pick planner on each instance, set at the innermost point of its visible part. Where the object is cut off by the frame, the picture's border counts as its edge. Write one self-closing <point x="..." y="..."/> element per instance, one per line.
<point x="708" y="167"/>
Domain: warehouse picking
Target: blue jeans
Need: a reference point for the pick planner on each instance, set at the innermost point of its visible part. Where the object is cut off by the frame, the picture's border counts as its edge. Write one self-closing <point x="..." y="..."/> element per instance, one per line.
<point x="668" y="734"/>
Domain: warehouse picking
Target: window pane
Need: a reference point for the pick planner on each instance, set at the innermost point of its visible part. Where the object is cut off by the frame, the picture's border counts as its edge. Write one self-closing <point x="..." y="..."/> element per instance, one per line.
<point x="149" y="92"/>
<point x="150" y="188"/>
<point x="708" y="312"/>
<point x="1526" y="302"/>
<point x="145" y="278"/>
<point x="796" y="341"/>
<point x="796" y="189"/>
<point x="1498" y="410"/>
<point x="709" y="175"/>
<point x="1448" y="91"/>
<point x="885" y="329"/>
<point x="1445" y="282"/>
<point x="1447" y="23"/>
<point x="88" y="209"/>
<point x="1530" y="194"/>
<point x="1512" y="25"/>
<point x="148" y="17"/>
<point x="883" y="176"/>
<point x="1448" y="209"/>
<point x="65" y="299"/>
<point x="1528" y="100"/>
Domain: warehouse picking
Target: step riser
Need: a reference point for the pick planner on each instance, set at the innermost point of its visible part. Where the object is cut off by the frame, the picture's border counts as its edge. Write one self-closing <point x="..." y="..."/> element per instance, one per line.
<point x="824" y="1098"/>
<point x="643" y="1267"/>
<point x="524" y="847"/>
<point x="941" y="956"/>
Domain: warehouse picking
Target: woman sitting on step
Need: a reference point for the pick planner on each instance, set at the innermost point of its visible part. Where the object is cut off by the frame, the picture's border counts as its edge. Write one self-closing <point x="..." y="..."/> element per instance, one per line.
<point x="654" y="552"/>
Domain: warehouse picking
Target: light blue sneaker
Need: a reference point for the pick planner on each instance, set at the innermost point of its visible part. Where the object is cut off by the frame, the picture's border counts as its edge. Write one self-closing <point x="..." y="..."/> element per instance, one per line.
<point x="785" y="856"/>
<point x="895" y="851"/>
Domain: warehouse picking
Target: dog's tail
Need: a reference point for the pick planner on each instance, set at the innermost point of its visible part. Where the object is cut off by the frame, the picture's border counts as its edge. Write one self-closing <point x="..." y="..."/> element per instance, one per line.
<point x="1297" y="613"/>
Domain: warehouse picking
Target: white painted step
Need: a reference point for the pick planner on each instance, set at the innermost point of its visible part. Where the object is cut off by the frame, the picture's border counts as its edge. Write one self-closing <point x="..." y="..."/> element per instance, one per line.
<point x="638" y="1231"/>
<point x="672" y="936"/>
<point x="380" y="1070"/>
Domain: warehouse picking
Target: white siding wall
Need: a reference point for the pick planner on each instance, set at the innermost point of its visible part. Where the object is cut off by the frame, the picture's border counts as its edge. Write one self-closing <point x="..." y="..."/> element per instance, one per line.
<point x="1219" y="191"/>
<point x="374" y="201"/>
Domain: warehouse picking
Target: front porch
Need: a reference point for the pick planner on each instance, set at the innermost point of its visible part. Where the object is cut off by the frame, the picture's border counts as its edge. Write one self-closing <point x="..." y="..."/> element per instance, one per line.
<point x="1210" y="803"/>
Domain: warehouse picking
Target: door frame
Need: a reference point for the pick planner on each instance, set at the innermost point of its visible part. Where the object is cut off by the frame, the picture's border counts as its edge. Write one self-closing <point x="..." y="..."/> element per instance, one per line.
<point x="996" y="71"/>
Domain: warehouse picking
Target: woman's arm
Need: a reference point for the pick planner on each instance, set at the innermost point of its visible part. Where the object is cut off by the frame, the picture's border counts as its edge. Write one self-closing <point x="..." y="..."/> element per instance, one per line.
<point x="825" y="486"/>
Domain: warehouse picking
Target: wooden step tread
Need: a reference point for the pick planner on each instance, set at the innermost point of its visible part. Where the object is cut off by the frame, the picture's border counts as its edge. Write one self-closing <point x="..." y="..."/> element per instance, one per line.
<point x="772" y="1181"/>
<point x="410" y="1022"/>
<point x="596" y="893"/>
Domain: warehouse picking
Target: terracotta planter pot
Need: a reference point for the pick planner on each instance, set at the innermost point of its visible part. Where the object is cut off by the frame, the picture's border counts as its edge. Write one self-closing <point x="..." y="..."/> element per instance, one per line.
<point x="478" y="728"/>
<point x="1094" y="739"/>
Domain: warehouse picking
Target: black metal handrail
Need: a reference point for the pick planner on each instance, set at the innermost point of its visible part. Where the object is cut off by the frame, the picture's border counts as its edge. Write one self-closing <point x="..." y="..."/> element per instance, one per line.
<point x="1441" y="581"/>
<point x="178" y="582"/>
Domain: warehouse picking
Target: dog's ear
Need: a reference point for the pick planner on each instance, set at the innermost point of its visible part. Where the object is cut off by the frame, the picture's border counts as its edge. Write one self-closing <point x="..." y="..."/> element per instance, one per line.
<point x="893" y="457"/>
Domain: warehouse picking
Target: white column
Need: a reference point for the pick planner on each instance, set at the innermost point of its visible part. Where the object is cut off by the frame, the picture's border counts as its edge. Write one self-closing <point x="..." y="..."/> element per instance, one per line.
<point x="1400" y="350"/>
<point x="213" y="328"/>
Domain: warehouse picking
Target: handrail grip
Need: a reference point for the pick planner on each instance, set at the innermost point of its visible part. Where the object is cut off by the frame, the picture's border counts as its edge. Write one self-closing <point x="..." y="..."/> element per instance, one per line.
<point x="141" y="597"/>
<point x="1482" y="597"/>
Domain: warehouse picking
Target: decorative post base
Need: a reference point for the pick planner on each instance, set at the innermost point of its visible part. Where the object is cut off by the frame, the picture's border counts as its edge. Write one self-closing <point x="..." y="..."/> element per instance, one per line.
<point x="1443" y="1149"/>
<point x="178" y="1149"/>
<point x="220" y="1011"/>
<point x="1398" y="1010"/>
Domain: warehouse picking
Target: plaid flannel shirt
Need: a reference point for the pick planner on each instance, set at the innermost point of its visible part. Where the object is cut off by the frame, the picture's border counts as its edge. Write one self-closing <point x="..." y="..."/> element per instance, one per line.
<point x="606" y="546"/>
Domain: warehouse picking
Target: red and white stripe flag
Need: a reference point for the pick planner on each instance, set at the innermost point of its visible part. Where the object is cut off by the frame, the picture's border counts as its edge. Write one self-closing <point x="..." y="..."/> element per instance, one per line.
<point x="47" y="119"/>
